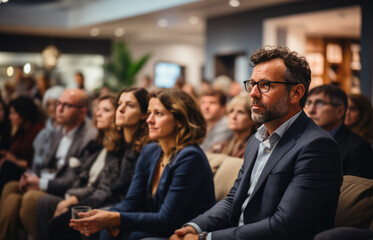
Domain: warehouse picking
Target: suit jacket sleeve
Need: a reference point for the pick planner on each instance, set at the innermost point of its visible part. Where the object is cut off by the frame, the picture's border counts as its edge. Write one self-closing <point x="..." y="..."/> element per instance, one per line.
<point x="315" y="179"/>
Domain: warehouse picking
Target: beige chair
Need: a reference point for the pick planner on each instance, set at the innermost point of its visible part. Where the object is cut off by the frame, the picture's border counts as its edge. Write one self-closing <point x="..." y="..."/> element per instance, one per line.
<point x="355" y="206"/>
<point x="225" y="169"/>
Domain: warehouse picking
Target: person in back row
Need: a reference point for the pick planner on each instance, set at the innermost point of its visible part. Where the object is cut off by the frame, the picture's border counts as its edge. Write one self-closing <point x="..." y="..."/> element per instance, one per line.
<point x="172" y="182"/>
<point x="213" y="106"/>
<point x="19" y="199"/>
<point x="25" y="126"/>
<point x="327" y="105"/>
<point x="106" y="176"/>
<point x="288" y="185"/>
<point x="359" y="116"/>
<point x="240" y="122"/>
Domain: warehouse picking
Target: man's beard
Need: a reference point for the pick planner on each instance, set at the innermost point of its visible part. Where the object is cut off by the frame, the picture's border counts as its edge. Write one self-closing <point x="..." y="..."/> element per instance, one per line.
<point x="277" y="110"/>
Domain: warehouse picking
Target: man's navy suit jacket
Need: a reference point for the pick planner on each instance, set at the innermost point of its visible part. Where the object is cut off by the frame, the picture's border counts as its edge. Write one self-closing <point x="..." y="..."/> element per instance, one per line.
<point x="296" y="195"/>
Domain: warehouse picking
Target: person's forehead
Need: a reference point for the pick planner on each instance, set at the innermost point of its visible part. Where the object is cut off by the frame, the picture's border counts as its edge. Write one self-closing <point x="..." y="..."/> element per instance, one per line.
<point x="275" y="68"/>
<point x="210" y="98"/>
<point x="69" y="97"/>
<point x="319" y="95"/>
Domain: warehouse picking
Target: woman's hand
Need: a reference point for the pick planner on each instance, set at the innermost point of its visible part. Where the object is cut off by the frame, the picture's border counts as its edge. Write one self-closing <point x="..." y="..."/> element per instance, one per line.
<point x="8" y="156"/>
<point x="94" y="221"/>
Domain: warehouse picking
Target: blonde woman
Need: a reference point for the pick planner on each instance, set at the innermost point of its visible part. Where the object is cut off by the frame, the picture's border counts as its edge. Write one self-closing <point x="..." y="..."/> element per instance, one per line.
<point x="240" y="122"/>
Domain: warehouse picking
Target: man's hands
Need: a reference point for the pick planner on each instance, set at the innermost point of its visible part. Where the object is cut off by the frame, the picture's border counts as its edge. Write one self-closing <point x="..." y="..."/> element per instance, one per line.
<point x="186" y="233"/>
<point x="29" y="181"/>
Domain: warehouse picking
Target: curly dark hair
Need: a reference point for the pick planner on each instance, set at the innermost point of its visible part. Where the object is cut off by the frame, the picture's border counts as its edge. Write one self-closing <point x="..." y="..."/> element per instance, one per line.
<point x="297" y="68"/>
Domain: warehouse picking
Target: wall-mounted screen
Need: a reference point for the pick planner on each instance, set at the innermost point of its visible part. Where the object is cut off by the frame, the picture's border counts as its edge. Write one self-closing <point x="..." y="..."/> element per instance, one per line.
<point x="166" y="74"/>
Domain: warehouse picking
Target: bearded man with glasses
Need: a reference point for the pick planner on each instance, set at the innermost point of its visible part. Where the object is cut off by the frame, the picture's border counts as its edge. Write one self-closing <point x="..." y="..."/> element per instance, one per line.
<point x="327" y="105"/>
<point x="288" y="185"/>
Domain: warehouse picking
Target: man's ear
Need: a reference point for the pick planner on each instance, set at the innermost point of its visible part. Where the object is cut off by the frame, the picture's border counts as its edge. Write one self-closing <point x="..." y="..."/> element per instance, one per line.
<point x="296" y="93"/>
<point x="341" y="110"/>
<point x="84" y="111"/>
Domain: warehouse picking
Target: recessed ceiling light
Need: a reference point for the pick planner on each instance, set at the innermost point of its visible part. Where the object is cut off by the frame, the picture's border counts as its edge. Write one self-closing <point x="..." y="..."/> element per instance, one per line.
<point x="234" y="3"/>
<point x="10" y="71"/>
<point x="193" y="20"/>
<point x="119" y="32"/>
<point x="162" y="23"/>
<point x="95" y="32"/>
<point x="4" y="1"/>
<point x="27" y="68"/>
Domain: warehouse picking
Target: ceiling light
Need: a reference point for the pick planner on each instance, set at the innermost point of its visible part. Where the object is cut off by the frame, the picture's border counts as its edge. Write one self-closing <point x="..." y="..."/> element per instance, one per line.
<point x="162" y="23"/>
<point x="27" y="68"/>
<point x="119" y="32"/>
<point x="95" y="32"/>
<point x="4" y="1"/>
<point x="234" y="3"/>
<point x="193" y="20"/>
<point x="10" y="71"/>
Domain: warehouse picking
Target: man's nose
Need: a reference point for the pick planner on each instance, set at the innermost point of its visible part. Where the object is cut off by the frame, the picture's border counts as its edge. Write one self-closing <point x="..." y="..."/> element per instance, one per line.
<point x="255" y="93"/>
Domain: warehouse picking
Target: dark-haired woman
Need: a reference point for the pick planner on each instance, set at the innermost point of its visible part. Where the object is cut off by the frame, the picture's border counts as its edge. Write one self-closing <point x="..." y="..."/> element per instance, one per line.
<point x="122" y="144"/>
<point x="173" y="181"/>
<point x="24" y="116"/>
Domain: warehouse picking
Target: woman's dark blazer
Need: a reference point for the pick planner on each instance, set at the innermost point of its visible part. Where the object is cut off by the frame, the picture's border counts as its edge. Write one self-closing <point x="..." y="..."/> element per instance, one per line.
<point x="185" y="190"/>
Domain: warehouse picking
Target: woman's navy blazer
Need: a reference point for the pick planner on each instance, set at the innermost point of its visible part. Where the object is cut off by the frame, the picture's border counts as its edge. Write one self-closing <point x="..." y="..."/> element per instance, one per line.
<point x="185" y="190"/>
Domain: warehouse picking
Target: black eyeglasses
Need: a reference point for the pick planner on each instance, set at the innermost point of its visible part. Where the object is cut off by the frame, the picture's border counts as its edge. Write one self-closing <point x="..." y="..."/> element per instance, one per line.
<point x="64" y="104"/>
<point x="320" y="103"/>
<point x="263" y="85"/>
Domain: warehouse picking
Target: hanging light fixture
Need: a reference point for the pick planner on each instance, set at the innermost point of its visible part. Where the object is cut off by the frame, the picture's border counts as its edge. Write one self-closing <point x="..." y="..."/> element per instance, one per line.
<point x="50" y="56"/>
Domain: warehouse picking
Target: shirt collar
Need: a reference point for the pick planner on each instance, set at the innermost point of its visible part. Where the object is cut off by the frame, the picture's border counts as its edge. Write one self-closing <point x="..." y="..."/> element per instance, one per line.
<point x="71" y="132"/>
<point x="262" y="133"/>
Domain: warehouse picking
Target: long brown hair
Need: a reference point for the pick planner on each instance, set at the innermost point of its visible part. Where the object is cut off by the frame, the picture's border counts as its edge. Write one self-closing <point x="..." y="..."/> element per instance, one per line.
<point x="186" y="111"/>
<point x="111" y="139"/>
<point x="364" y="126"/>
<point x="140" y="137"/>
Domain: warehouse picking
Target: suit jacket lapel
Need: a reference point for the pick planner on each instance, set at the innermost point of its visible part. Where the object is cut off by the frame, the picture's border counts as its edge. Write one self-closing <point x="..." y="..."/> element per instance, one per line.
<point x="250" y="156"/>
<point x="56" y="141"/>
<point x="153" y="167"/>
<point x="287" y="141"/>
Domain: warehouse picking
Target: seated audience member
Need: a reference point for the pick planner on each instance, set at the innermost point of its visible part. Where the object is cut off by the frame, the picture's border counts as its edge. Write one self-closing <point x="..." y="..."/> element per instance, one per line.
<point x="240" y="122"/>
<point x="213" y="107"/>
<point x="289" y="183"/>
<point x="359" y="116"/>
<point x="19" y="199"/>
<point x="42" y="143"/>
<point x="25" y="126"/>
<point x="43" y="83"/>
<point x="327" y="105"/>
<point x="4" y="126"/>
<point x="95" y="187"/>
<point x="172" y="182"/>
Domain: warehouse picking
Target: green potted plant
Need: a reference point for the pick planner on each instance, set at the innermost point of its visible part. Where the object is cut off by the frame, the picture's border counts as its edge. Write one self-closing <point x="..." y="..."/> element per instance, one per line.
<point x="122" y="67"/>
